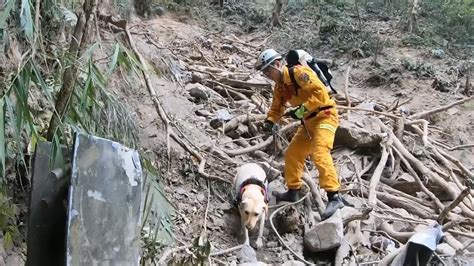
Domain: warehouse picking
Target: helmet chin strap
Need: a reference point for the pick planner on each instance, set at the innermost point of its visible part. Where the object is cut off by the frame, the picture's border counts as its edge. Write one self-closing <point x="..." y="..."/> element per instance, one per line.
<point x="280" y="69"/>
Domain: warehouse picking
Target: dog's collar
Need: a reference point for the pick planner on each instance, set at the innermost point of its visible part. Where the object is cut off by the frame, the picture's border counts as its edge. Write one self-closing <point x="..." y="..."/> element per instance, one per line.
<point x="252" y="181"/>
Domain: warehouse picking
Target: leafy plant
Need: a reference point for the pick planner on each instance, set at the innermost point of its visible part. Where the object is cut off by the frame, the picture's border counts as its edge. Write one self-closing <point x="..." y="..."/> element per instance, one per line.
<point x="8" y="221"/>
<point x="156" y="228"/>
<point x="420" y="68"/>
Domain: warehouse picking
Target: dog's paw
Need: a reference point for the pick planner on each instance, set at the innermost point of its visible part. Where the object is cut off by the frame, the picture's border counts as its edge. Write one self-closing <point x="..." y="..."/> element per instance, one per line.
<point x="259" y="243"/>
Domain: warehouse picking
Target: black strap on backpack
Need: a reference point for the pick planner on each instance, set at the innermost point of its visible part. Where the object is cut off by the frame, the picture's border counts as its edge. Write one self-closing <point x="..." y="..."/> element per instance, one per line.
<point x="322" y="71"/>
<point x="291" y="71"/>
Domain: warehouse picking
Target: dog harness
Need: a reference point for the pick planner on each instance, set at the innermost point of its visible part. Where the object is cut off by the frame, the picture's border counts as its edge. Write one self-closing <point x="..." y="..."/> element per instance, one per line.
<point x="252" y="181"/>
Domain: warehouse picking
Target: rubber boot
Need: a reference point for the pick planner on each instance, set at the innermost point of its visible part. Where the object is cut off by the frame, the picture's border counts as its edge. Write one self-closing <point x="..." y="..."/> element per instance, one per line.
<point x="334" y="202"/>
<point x="292" y="195"/>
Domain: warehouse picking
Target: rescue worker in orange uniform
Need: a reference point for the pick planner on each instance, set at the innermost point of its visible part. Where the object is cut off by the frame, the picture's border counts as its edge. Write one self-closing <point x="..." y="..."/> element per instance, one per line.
<point x="317" y="110"/>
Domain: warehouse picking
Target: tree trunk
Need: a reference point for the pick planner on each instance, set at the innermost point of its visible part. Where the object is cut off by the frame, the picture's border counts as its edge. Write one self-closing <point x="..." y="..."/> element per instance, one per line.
<point x="78" y="43"/>
<point x="467" y="87"/>
<point x="276" y="20"/>
<point x="413" y="27"/>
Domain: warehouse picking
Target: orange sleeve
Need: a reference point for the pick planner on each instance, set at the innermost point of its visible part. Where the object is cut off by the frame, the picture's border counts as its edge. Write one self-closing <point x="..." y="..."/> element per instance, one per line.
<point x="277" y="108"/>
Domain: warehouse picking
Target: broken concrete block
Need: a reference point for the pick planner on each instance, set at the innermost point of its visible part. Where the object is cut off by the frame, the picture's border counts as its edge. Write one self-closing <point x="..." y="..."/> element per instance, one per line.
<point x="359" y="132"/>
<point x="325" y="235"/>
<point x="104" y="217"/>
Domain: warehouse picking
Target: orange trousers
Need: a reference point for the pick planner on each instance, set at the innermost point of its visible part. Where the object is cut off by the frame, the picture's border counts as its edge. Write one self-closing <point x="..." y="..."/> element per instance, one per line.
<point x="322" y="129"/>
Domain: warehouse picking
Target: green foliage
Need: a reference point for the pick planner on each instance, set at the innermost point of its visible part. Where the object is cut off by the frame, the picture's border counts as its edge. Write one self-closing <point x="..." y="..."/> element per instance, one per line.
<point x="156" y="228"/>
<point x="7" y="221"/>
<point x="458" y="21"/>
<point x="417" y="40"/>
<point x="421" y="69"/>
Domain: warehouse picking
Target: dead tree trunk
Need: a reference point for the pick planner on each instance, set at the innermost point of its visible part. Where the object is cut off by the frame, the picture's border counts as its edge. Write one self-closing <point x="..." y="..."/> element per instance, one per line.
<point x="413" y="27"/>
<point x="467" y="87"/>
<point x="276" y="20"/>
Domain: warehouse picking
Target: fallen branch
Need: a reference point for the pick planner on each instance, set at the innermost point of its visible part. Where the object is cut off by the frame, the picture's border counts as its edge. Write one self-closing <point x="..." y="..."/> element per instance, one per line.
<point x="442" y="216"/>
<point x="374" y="180"/>
<point x="425" y="171"/>
<point x="167" y="253"/>
<point x="399" y="129"/>
<point x="460" y="233"/>
<point x="404" y="203"/>
<point x="461" y="147"/>
<point x="418" y="180"/>
<point x="461" y="221"/>
<point x="424" y="133"/>
<point x="225" y="251"/>
<point x="364" y="215"/>
<point x="244" y="84"/>
<point x="346" y="86"/>
<point x="457" y="163"/>
<point x="260" y="145"/>
<point x="241" y="119"/>
<point x="314" y="192"/>
<point x="440" y="109"/>
<point x="367" y="110"/>
<point x="400" y="236"/>
<point x="227" y="89"/>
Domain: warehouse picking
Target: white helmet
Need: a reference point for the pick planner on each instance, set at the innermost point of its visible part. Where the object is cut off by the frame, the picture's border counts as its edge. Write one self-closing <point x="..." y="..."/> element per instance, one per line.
<point x="266" y="58"/>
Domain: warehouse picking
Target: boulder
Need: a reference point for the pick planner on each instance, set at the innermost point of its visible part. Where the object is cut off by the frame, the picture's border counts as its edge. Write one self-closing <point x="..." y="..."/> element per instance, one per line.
<point x="359" y="132"/>
<point x="198" y="92"/>
<point x="445" y="249"/>
<point x="326" y="235"/>
<point x="247" y="255"/>
<point x="203" y="112"/>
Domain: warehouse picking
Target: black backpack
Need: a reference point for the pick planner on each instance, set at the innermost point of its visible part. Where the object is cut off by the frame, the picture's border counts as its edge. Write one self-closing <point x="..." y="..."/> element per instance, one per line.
<point x="320" y="68"/>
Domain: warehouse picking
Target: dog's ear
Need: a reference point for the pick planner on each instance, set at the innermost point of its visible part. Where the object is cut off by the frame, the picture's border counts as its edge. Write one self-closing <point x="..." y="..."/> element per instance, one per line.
<point x="243" y="204"/>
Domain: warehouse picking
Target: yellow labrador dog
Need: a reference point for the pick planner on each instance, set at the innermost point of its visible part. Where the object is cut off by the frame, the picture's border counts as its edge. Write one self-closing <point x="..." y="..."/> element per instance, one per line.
<point x="252" y="199"/>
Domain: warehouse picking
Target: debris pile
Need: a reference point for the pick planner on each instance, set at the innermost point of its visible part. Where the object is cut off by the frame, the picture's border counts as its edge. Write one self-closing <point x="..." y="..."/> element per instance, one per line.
<point x="398" y="177"/>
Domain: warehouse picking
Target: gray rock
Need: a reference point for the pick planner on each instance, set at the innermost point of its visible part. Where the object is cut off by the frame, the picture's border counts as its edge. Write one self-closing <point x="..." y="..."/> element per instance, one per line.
<point x="325" y="235"/>
<point x="203" y="112"/>
<point x="223" y="114"/>
<point x="197" y="91"/>
<point x="158" y="10"/>
<point x="359" y="132"/>
<point x="438" y="53"/>
<point x="272" y="244"/>
<point x="247" y="254"/>
<point x="197" y="77"/>
<point x="445" y="249"/>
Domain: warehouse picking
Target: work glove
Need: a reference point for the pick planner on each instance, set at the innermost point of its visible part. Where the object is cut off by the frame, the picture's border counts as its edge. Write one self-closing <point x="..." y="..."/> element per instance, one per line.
<point x="268" y="126"/>
<point x="297" y="113"/>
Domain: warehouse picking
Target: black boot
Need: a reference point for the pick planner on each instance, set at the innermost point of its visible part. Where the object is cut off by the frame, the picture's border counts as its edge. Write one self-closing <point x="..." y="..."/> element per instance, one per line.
<point x="292" y="195"/>
<point x="334" y="203"/>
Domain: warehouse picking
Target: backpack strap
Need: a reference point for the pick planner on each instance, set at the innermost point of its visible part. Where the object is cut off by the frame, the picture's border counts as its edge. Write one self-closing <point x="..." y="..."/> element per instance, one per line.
<point x="291" y="71"/>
